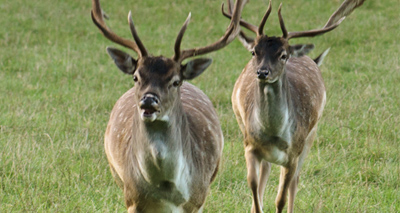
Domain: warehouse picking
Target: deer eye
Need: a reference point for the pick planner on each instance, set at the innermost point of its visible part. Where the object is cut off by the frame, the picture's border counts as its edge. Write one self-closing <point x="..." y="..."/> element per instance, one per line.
<point x="176" y="83"/>
<point x="135" y="78"/>
<point x="253" y="53"/>
<point x="284" y="57"/>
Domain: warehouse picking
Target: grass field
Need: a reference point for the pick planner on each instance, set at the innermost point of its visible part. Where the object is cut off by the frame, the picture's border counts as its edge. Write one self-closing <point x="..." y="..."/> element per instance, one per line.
<point x="58" y="86"/>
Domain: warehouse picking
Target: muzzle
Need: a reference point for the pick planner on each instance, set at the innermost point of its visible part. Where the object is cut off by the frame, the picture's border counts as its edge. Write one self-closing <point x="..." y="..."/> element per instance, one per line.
<point x="150" y="106"/>
<point x="262" y="74"/>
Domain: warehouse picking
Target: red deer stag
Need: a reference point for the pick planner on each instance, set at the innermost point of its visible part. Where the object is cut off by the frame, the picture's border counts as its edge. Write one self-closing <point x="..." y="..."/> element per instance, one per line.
<point x="163" y="140"/>
<point x="278" y="100"/>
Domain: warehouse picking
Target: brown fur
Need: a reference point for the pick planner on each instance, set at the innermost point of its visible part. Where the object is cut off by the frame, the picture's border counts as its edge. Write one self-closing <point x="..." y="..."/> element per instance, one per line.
<point x="278" y="113"/>
<point x="301" y="93"/>
<point x="126" y="136"/>
<point x="163" y="140"/>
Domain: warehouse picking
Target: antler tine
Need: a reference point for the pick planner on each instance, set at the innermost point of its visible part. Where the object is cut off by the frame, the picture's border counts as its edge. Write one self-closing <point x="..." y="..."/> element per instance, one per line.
<point x="97" y="17"/>
<point x="266" y="15"/>
<point x="282" y="23"/>
<point x="247" y="41"/>
<point x="243" y="38"/>
<point x="243" y="23"/>
<point x="344" y="10"/>
<point x="312" y="33"/>
<point x="230" y="34"/>
<point x="230" y="8"/>
<point x="178" y="40"/>
<point x="139" y="43"/>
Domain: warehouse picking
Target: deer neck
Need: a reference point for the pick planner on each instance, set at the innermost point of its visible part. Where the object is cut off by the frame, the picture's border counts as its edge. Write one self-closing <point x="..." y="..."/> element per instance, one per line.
<point x="273" y="106"/>
<point x="168" y="133"/>
<point x="159" y="150"/>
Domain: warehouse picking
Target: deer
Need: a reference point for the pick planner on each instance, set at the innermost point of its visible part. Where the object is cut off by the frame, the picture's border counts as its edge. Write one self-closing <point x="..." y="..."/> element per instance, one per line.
<point x="163" y="140"/>
<point x="278" y="100"/>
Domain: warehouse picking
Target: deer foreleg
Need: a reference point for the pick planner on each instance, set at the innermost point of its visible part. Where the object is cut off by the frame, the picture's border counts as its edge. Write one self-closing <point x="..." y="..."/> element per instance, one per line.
<point x="292" y="192"/>
<point x="265" y="170"/>
<point x="253" y="165"/>
<point x="285" y="181"/>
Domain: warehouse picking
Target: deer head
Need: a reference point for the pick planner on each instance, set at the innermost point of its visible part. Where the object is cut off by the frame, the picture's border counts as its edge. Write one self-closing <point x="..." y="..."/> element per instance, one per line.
<point x="270" y="53"/>
<point x="158" y="78"/>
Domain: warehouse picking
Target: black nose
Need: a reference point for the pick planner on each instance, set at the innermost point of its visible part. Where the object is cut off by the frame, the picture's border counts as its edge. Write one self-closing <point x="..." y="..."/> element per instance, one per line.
<point x="262" y="74"/>
<point x="149" y="101"/>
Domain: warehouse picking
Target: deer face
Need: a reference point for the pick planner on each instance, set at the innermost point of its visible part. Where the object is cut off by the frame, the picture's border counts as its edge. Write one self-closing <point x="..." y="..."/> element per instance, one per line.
<point x="269" y="58"/>
<point x="270" y="55"/>
<point x="157" y="81"/>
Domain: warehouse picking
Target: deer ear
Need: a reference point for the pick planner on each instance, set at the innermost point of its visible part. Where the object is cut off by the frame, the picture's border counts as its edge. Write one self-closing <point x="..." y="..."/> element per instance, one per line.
<point x="299" y="50"/>
<point x="123" y="60"/>
<point x="195" y="67"/>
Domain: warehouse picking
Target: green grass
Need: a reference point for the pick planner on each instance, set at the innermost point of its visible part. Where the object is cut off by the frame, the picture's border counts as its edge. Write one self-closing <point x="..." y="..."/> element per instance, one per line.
<point x="58" y="87"/>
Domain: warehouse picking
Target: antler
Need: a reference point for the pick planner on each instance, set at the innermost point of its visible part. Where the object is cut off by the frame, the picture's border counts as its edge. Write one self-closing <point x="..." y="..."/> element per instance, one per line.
<point x="242" y="22"/>
<point x="261" y="26"/>
<point x="258" y="30"/>
<point x="230" y="34"/>
<point x="97" y="17"/>
<point x="344" y="10"/>
<point x="309" y="33"/>
<point x="178" y="40"/>
<point x="336" y="18"/>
